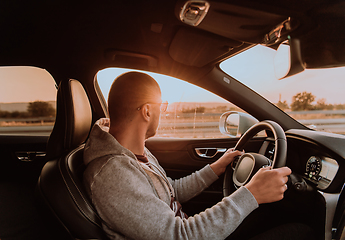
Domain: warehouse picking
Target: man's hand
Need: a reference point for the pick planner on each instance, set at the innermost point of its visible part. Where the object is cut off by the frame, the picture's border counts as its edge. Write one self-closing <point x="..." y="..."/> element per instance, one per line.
<point x="268" y="185"/>
<point x="220" y="165"/>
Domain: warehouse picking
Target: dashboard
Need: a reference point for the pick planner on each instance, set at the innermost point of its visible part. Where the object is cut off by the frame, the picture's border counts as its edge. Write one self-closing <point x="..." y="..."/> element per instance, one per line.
<point x="319" y="158"/>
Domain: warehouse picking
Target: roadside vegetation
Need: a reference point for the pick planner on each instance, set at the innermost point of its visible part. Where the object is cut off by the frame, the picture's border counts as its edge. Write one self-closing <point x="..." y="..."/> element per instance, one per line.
<point x="35" y="109"/>
<point x="316" y="113"/>
<point x="306" y="101"/>
<point x="38" y="113"/>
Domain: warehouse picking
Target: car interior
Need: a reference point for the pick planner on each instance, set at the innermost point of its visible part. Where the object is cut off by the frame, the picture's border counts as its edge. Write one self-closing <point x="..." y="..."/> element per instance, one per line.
<point x="41" y="176"/>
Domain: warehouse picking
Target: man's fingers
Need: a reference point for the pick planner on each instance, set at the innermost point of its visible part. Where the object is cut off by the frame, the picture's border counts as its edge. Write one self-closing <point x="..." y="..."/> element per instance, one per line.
<point x="286" y="179"/>
<point x="285" y="171"/>
<point x="268" y="168"/>
<point x="279" y="174"/>
<point x="269" y="185"/>
<point x="234" y="152"/>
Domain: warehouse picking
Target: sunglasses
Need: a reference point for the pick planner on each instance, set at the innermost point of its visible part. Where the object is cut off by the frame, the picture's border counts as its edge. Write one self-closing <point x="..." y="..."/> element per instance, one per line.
<point x="163" y="105"/>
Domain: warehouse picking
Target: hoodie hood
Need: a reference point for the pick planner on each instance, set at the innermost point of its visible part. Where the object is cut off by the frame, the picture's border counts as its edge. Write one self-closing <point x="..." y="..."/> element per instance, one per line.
<point x="101" y="143"/>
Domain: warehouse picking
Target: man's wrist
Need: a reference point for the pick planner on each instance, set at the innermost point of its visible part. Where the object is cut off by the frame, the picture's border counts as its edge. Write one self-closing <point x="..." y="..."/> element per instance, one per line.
<point x="218" y="170"/>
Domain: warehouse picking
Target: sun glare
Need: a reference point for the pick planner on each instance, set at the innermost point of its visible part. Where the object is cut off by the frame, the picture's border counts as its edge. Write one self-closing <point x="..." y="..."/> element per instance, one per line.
<point x="173" y="90"/>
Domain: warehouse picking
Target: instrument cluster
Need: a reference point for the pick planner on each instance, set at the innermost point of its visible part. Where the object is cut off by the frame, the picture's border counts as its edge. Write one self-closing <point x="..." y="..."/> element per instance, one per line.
<point x="321" y="170"/>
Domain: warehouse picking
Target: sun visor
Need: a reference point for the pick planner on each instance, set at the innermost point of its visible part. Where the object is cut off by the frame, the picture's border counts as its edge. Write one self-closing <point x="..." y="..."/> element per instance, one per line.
<point x="197" y="48"/>
<point x="247" y="24"/>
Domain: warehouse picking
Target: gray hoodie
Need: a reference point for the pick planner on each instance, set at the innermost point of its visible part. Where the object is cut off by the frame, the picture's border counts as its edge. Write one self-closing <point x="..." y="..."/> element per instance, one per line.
<point x="135" y="204"/>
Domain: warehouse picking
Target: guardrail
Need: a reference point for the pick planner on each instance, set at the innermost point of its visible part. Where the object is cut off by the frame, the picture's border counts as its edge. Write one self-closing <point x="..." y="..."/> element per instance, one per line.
<point x="195" y="125"/>
<point x="34" y="126"/>
<point x="206" y="124"/>
<point x="32" y="119"/>
<point x="322" y="120"/>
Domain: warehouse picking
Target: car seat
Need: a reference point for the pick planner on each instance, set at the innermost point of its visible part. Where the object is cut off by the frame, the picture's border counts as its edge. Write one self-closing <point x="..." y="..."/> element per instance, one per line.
<point x="60" y="185"/>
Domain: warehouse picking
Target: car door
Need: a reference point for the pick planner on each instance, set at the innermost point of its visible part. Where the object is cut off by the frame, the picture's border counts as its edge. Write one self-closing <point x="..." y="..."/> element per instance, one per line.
<point x="27" y="115"/>
<point x="181" y="157"/>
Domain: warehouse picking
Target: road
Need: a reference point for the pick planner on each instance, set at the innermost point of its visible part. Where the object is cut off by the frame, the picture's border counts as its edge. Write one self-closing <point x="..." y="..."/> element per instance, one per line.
<point x="26" y="130"/>
<point x="198" y="129"/>
<point x="184" y="125"/>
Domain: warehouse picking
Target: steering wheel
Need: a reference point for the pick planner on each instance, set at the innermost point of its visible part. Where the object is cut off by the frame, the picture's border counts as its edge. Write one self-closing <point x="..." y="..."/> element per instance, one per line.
<point x="249" y="163"/>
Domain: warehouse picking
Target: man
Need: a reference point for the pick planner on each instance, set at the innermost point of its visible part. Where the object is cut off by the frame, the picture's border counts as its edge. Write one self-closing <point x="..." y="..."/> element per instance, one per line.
<point x="132" y="193"/>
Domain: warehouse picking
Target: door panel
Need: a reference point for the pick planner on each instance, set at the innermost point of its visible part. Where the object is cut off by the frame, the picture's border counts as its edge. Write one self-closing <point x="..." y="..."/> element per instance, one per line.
<point x="181" y="157"/>
<point x="20" y="167"/>
<point x="21" y="156"/>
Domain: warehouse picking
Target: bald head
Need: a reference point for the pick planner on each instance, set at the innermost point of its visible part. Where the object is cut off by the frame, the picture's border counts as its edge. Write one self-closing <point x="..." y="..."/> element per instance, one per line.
<point x="128" y="92"/>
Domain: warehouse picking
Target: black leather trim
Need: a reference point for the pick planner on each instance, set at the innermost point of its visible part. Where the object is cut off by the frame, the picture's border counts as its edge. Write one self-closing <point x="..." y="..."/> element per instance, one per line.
<point x="73" y="119"/>
<point x="61" y="186"/>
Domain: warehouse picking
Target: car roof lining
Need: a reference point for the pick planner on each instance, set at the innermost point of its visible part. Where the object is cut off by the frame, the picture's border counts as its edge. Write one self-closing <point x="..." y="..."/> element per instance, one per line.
<point x="240" y="23"/>
<point x="72" y="40"/>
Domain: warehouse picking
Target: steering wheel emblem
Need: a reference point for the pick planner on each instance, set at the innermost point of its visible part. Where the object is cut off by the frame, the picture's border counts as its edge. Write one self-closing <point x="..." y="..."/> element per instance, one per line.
<point x="247" y="166"/>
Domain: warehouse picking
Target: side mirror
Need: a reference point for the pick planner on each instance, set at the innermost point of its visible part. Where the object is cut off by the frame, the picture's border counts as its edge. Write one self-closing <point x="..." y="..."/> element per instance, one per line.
<point x="288" y="59"/>
<point x="234" y="124"/>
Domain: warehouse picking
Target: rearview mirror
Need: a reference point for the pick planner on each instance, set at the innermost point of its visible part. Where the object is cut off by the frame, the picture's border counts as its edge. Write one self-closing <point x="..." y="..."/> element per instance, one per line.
<point x="234" y="124"/>
<point x="288" y="59"/>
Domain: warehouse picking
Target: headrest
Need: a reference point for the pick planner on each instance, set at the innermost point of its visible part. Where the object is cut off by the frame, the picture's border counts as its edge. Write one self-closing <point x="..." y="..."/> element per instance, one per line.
<point x="73" y="119"/>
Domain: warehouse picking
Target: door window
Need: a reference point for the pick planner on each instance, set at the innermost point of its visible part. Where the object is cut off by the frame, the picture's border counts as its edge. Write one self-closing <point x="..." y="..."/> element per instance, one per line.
<point x="192" y="112"/>
<point x="27" y="101"/>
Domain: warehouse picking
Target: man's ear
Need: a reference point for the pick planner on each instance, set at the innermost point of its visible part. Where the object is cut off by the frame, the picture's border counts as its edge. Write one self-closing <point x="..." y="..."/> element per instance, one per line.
<point x="146" y="112"/>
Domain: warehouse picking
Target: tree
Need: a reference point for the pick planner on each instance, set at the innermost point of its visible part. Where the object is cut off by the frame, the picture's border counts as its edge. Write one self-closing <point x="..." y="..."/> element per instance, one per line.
<point x="40" y="109"/>
<point x="322" y="105"/>
<point x="302" y="101"/>
<point x="283" y="105"/>
<point x="5" y="114"/>
<point x="339" y="106"/>
<point x="14" y="114"/>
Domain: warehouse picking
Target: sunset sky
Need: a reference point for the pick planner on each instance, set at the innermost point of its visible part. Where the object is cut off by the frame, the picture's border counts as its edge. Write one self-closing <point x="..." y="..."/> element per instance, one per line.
<point x="26" y="84"/>
<point x="253" y="67"/>
<point x="171" y="92"/>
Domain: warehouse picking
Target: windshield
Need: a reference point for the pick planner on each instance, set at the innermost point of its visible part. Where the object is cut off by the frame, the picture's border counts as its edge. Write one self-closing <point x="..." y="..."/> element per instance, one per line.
<point x="314" y="97"/>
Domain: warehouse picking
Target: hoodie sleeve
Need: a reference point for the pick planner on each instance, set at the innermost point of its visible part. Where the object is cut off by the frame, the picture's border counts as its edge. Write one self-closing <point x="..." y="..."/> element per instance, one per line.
<point x="192" y="185"/>
<point x="127" y="203"/>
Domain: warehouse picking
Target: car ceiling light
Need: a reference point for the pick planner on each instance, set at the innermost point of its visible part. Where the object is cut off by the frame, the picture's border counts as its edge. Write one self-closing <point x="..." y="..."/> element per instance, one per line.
<point x="193" y="12"/>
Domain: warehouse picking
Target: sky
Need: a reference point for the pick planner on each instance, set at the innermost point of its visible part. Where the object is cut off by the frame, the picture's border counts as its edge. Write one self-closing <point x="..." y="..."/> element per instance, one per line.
<point x="26" y="84"/>
<point x="172" y="91"/>
<point x="254" y="68"/>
